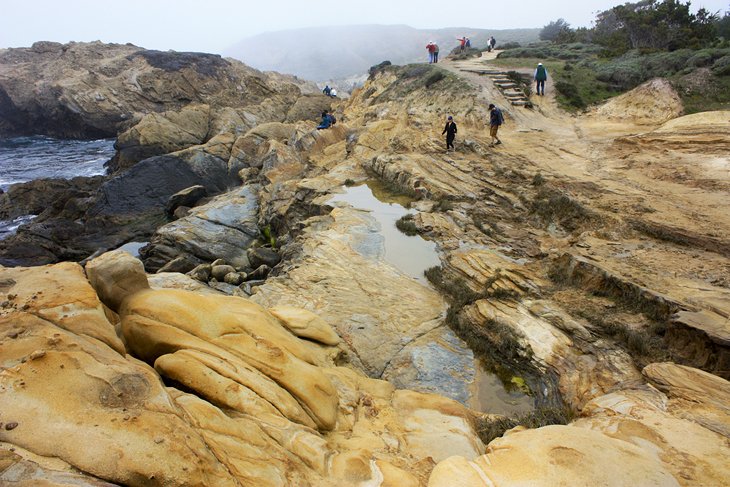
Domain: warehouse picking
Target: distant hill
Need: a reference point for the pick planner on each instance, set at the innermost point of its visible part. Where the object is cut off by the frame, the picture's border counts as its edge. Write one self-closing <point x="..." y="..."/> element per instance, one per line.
<point x="323" y="53"/>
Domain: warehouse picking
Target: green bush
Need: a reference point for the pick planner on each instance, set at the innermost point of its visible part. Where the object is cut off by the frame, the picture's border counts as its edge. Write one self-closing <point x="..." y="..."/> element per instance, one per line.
<point x="571" y="94"/>
<point x="510" y="45"/>
<point x="407" y="225"/>
<point x="701" y="58"/>
<point x="434" y="78"/>
<point x="571" y="51"/>
<point x="721" y="67"/>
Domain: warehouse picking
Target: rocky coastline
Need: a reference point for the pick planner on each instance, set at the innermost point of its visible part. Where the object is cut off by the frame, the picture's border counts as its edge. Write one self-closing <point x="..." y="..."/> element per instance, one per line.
<point x="262" y="339"/>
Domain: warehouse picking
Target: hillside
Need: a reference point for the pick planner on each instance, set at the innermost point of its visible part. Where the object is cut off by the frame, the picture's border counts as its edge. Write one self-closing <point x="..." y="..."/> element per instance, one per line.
<point x="323" y="53"/>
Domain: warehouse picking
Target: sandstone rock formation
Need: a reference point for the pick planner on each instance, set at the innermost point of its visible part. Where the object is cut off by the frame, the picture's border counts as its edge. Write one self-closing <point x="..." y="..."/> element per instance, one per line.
<point x="257" y="394"/>
<point x="585" y="260"/>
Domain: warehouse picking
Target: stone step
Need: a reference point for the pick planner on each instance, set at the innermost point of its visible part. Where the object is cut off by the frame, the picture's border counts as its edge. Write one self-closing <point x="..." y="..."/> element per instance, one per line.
<point x="506" y="85"/>
<point x="521" y="103"/>
<point x="486" y="72"/>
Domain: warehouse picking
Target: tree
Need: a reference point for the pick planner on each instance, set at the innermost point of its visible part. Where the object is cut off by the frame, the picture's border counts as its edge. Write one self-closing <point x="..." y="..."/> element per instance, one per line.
<point x="722" y="26"/>
<point x="554" y="29"/>
<point x="649" y="24"/>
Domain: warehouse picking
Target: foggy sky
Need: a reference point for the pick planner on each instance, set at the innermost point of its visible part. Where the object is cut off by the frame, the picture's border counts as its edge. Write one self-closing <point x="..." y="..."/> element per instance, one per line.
<point x="214" y="25"/>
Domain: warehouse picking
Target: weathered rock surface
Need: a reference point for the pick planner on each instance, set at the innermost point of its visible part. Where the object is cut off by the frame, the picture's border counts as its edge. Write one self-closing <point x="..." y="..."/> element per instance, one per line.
<point x="555" y="455"/>
<point x="86" y="90"/>
<point x="179" y="113"/>
<point x="227" y="352"/>
<point x="575" y="254"/>
<point x="223" y="228"/>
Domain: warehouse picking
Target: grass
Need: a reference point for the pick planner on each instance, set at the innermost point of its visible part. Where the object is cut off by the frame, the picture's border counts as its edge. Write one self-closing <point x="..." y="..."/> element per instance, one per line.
<point x="413" y="78"/>
<point x="489" y="429"/>
<point x="583" y="76"/>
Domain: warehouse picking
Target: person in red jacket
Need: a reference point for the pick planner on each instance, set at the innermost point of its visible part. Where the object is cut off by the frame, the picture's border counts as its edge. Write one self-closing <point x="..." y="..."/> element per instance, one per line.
<point x="430" y="47"/>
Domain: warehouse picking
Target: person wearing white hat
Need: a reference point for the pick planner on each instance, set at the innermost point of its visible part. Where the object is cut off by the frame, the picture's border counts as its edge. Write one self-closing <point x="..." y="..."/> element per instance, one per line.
<point x="541" y="76"/>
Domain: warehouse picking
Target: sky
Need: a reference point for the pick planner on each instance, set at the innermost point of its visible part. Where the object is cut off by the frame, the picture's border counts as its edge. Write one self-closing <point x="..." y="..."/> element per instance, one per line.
<point x="215" y="25"/>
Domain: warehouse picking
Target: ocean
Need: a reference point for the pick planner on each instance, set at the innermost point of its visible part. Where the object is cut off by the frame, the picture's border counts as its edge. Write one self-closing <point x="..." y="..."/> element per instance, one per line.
<point x="24" y="159"/>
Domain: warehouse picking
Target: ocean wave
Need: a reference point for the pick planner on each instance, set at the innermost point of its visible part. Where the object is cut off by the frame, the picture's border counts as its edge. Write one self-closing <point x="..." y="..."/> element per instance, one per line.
<point x="9" y="227"/>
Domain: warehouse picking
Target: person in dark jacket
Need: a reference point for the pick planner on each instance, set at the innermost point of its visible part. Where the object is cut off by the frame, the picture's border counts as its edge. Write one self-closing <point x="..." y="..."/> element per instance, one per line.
<point x="541" y="76"/>
<point x="496" y="119"/>
<point x="450" y="131"/>
<point x="326" y="121"/>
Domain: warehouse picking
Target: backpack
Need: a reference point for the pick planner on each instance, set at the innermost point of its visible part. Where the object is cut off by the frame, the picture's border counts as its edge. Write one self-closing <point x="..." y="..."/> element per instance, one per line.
<point x="541" y="74"/>
<point x="500" y="117"/>
<point x="333" y="120"/>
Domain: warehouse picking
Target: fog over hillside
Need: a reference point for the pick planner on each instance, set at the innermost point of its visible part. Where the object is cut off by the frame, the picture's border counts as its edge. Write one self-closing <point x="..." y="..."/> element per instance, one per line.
<point x="323" y="53"/>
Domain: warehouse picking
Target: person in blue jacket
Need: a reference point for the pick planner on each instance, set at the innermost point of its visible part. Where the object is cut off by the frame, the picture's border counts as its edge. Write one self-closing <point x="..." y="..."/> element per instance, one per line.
<point x="326" y="121"/>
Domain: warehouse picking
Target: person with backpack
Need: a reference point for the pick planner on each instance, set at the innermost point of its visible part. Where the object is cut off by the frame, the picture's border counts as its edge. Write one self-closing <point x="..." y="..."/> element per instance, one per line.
<point x="496" y="119"/>
<point x="492" y="42"/>
<point x="435" y="53"/>
<point x="327" y="90"/>
<point x="326" y="121"/>
<point x="450" y="131"/>
<point x="541" y="76"/>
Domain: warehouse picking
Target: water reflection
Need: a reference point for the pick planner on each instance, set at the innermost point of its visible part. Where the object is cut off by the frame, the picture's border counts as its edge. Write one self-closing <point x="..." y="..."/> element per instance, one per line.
<point x="410" y="254"/>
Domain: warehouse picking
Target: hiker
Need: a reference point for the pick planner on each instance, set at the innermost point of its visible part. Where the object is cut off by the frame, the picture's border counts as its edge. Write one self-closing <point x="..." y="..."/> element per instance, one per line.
<point x="450" y="131"/>
<point x="327" y="90"/>
<point x="333" y="93"/>
<point x="435" y="53"/>
<point x="468" y="43"/>
<point x="492" y="41"/>
<point x="541" y="76"/>
<point x="462" y="42"/>
<point x="495" y="120"/>
<point x="430" y="48"/>
<point x="326" y="121"/>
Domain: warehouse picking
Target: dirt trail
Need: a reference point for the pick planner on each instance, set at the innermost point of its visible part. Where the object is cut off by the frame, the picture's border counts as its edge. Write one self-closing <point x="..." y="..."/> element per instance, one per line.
<point x="661" y="192"/>
<point x="591" y="149"/>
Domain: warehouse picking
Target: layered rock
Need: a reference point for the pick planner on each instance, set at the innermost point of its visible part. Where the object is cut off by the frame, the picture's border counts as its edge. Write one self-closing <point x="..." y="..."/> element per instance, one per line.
<point x="178" y="116"/>
<point x="262" y="406"/>
<point x="86" y="90"/>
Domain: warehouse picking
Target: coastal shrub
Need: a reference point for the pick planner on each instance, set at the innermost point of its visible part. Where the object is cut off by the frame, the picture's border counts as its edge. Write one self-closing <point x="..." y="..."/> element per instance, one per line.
<point x="571" y="51"/>
<point x="510" y="45"/>
<point x="570" y="92"/>
<point x="434" y="78"/>
<point x="407" y="225"/>
<point x="721" y="67"/>
<point x="554" y="206"/>
<point x="489" y="429"/>
<point x="374" y="70"/>
<point x="701" y="58"/>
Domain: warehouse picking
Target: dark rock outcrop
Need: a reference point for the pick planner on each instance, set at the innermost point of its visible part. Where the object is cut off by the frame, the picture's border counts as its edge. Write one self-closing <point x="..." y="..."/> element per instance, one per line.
<point x="90" y="90"/>
<point x="178" y="116"/>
